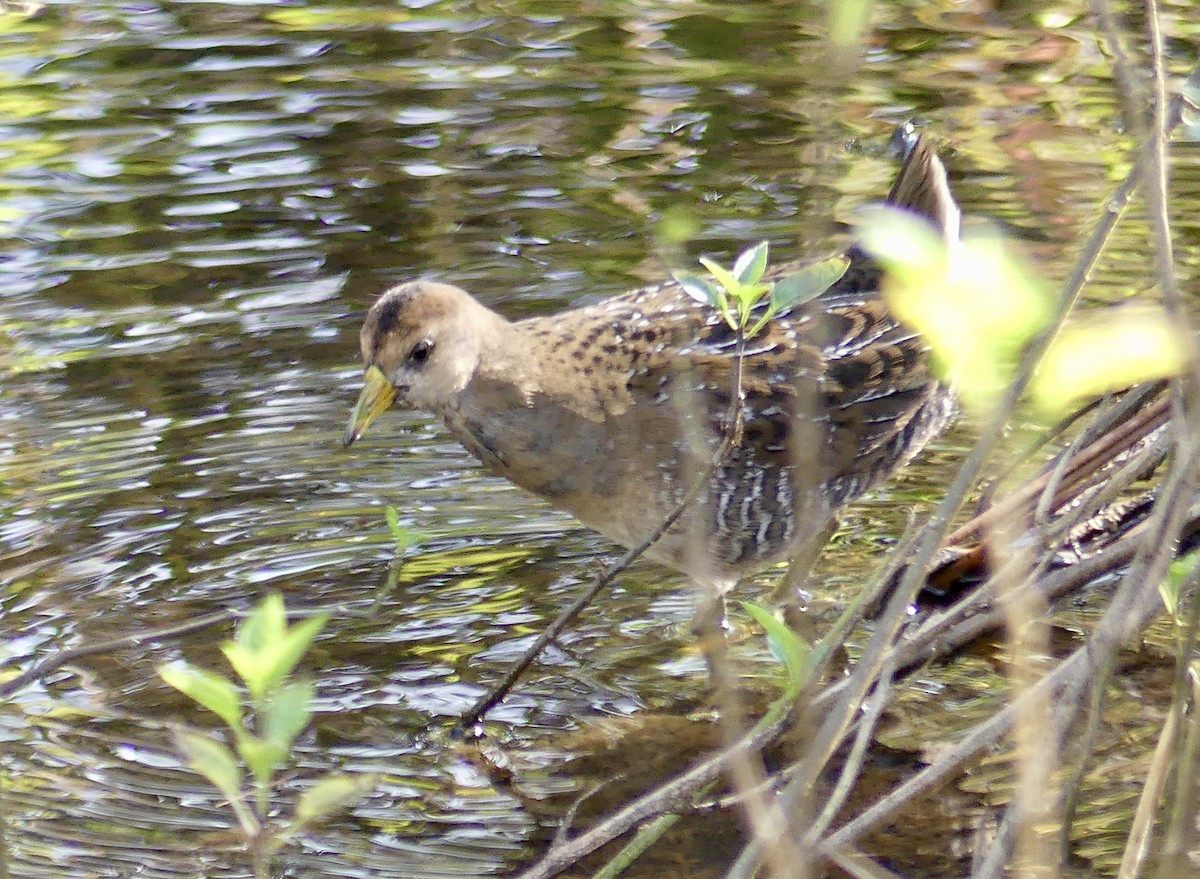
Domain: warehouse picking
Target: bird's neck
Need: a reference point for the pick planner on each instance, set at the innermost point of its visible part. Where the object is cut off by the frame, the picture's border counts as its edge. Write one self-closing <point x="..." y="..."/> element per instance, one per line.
<point x="516" y="419"/>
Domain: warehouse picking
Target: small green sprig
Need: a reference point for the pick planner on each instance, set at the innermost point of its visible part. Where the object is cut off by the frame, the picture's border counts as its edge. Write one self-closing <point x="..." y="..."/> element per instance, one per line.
<point x="737" y="292"/>
<point x="264" y="710"/>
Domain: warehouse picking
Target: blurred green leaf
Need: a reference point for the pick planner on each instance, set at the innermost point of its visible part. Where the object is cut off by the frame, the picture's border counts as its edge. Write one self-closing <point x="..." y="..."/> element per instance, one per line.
<point x="808" y="283"/>
<point x="977" y="305"/>
<point x="1172" y="585"/>
<point x="751" y="263"/>
<point x="262" y="757"/>
<point x="404" y="536"/>
<point x="267" y="654"/>
<point x="698" y="288"/>
<point x="1107" y="353"/>
<point x="287" y="712"/>
<point x="847" y="19"/>
<point x="786" y="646"/>
<point x="331" y="794"/>
<point x="677" y="225"/>
<point x="211" y="759"/>
<point x="216" y="693"/>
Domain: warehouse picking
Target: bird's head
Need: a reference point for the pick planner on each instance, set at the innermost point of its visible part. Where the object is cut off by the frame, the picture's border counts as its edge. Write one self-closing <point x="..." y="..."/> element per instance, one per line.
<point x="421" y="344"/>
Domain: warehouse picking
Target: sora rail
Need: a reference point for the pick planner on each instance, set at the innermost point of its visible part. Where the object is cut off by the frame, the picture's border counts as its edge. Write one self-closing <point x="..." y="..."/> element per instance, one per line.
<point x="610" y="411"/>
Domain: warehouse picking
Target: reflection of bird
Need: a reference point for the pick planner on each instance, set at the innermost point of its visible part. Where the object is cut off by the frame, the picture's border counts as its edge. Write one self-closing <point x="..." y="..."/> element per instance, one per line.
<point x="610" y="411"/>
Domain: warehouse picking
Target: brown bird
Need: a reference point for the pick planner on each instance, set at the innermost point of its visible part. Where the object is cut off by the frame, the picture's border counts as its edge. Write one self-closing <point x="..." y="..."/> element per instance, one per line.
<point x="609" y="411"/>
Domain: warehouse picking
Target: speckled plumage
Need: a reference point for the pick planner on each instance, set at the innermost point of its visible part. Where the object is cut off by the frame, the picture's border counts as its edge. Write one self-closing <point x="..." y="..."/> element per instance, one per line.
<point x="610" y="410"/>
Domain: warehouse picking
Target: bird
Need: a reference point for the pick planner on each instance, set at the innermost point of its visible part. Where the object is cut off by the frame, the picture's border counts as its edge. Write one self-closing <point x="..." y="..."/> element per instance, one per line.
<point x="610" y="411"/>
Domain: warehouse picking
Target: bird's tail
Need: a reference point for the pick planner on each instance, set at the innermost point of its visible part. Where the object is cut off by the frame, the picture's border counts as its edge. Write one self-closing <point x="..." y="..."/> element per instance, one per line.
<point x="921" y="186"/>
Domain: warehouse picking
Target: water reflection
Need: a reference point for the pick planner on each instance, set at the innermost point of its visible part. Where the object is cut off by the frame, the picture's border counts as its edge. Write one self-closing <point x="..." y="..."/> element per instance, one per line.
<point x="200" y="198"/>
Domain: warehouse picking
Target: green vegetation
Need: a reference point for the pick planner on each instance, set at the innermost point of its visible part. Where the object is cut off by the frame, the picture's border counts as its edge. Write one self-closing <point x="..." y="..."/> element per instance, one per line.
<point x="738" y="291"/>
<point x="264" y="714"/>
<point x="979" y="306"/>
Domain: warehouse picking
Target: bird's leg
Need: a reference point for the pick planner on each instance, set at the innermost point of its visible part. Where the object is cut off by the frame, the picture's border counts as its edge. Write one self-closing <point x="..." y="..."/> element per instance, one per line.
<point x="711" y="627"/>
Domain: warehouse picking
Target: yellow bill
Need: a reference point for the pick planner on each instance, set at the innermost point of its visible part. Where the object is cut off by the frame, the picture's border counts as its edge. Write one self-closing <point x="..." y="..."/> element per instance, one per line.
<point x="377" y="395"/>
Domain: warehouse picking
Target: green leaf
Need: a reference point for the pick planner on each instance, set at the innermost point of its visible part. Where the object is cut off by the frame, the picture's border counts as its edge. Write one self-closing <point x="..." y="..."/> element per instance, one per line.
<point x="727" y="281"/>
<point x="1177" y="574"/>
<point x="698" y="288"/>
<point x="677" y="225"/>
<point x="264" y="626"/>
<point x="294" y="645"/>
<point x="808" y="283"/>
<point x="287" y="712"/>
<point x="264" y="663"/>
<point x="786" y="646"/>
<point x="907" y="245"/>
<point x="404" y="536"/>
<point x="752" y="263"/>
<point x="211" y="759"/>
<point x="1099" y="354"/>
<point x="331" y="794"/>
<point x="769" y="312"/>
<point x="975" y="303"/>
<point x="261" y="756"/>
<point x="216" y="693"/>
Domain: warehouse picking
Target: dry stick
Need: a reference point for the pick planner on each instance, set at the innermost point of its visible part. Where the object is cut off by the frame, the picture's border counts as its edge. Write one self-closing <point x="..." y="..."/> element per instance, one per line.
<point x="732" y="436"/>
<point x="1137" y="845"/>
<point x="1159" y="214"/>
<point x="928" y="646"/>
<point x="1123" y="616"/>
<point x="1086" y="744"/>
<point x="1026" y="637"/>
<point x="1137" y="595"/>
<point x="942" y="636"/>
<point x="1079" y="468"/>
<point x="678" y="793"/>
<point x="1169" y="510"/>
<point x="932" y="645"/>
<point x="980" y="600"/>
<point x="976" y="609"/>
<point x="1156" y="192"/>
<point x="672" y="796"/>
<point x="858" y="865"/>
<point x="1173" y="859"/>
<point x="1128" y="86"/>
<point x="854" y="760"/>
<point x="62" y="657"/>
<point x="1084" y="447"/>
<point x="3" y="842"/>
<point x="895" y="614"/>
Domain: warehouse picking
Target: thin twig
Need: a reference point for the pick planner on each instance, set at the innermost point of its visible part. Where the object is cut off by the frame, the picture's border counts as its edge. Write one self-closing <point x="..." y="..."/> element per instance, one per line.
<point x="1137" y="844"/>
<point x="489" y="700"/>
<point x="1137" y="598"/>
<point x="62" y="657"/>
<point x="854" y="760"/>
<point x="1184" y="695"/>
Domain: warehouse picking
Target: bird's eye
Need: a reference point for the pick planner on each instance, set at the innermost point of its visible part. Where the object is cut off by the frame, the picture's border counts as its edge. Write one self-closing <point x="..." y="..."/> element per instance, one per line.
<point x="420" y="352"/>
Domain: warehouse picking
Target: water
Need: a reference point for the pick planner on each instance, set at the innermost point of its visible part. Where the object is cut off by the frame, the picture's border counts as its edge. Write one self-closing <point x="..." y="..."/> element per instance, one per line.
<point x="200" y="199"/>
